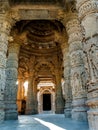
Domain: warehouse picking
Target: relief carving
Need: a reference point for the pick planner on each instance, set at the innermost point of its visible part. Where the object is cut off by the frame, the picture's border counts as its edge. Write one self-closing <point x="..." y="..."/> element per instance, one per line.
<point x="76" y="59"/>
<point x="78" y="84"/>
<point x="91" y="60"/>
<point x="86" y="7"/>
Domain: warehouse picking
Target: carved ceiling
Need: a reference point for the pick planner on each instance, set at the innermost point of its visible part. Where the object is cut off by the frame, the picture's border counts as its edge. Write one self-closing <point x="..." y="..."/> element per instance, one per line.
<point x="41" y="52"/>
<point x="40" y="35"/>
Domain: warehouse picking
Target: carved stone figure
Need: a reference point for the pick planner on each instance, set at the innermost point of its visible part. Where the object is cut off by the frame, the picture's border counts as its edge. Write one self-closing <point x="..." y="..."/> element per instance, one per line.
<point x="91" y="62"/>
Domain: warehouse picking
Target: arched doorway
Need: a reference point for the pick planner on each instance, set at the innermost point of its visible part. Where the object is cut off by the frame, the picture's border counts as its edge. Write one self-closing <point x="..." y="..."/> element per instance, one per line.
<point x="46" y="99"/>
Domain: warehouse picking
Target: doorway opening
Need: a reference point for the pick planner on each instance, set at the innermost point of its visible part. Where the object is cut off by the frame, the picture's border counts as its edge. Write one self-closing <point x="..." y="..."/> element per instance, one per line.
<point x="46" y="102"/>
<point x="23" y="107"/>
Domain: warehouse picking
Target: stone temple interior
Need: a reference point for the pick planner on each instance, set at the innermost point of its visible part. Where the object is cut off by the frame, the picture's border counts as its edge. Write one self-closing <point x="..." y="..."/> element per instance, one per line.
<point x="49" y="59"/>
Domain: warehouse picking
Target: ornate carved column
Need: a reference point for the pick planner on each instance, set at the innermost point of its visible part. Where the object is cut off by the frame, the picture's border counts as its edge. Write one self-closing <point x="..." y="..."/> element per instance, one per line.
<point x="32" y="88"/>
<point x="29" y="100"/>
<point x="59" y="104"/>
<point x="77" y="67"/>
<point x="35" y="102"/>
<point x="11" y="79"/>
<point x="67" y="93"/>
<point x="20" y="93"/>
<point x="5" y="27"/>
<point x="88" y="13"/>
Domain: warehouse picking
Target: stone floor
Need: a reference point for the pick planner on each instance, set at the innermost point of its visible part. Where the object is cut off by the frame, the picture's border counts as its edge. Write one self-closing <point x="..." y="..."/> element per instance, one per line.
<point x="43" y="122"/>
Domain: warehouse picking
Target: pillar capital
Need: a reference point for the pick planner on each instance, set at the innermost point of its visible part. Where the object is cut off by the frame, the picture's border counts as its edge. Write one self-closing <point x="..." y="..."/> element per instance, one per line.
<point x="73" y="28"/>
<point x="13" y="47"/>
<point x="69" y="16"/>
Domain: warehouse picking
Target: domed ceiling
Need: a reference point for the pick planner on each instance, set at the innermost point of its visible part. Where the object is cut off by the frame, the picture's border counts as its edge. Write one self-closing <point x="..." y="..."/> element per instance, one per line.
<point x="41" y="48"/>
<point x="40" y="35"/>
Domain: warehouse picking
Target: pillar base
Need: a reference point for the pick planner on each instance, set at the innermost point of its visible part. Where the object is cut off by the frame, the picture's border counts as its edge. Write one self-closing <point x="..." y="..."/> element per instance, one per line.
<point x="31" y="112"/>
<point x="79" y="115"/>
<point x="93" y="119"/>
<point x="2" y="114"/>
<point x="67" y="113"/>
<point x="93" y="114"/>
<point x="11" y="115"/>
<point x="79" y="111"/>
<point x="11" y="112"/>
<point x="28" y="112"/>
<point x="59" y="111"/>
<point x="68" y="109"/>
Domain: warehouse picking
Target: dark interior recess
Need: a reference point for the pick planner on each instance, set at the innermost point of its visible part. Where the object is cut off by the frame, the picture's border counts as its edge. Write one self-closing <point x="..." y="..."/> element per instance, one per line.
<point x="46" y="102"/>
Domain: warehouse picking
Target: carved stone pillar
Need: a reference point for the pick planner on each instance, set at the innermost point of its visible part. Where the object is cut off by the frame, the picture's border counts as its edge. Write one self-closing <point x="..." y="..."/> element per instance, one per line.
<point x="4" y="32"/>
<point x="35" y="102"/>
<point x="66" y="84"/>
<point x="20" y="94"/>
<point x="11" y="79"/>
<point x="29" y="100"/>
<point x="59" y="105"/>
<point x="77" y="67"/>
<point x="88" y="13"/>
<point x="31" y="103"/>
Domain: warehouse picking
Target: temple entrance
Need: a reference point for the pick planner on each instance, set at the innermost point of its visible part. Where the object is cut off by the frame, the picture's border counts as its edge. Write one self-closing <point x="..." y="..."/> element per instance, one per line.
<point x="46" y="97"/>
<point x="46" y="102"/>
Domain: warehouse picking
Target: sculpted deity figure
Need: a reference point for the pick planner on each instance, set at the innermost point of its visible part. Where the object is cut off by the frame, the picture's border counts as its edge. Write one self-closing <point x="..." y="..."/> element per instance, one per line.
<point x="91" y="62"/>
<point x="76" y="84"/>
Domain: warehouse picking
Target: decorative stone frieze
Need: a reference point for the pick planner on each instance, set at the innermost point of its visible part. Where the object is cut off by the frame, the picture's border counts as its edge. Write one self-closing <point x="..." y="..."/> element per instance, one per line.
<point x="11" y="80"/>
<point x="88" y="12"/>
<point x="77" y="67"/>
